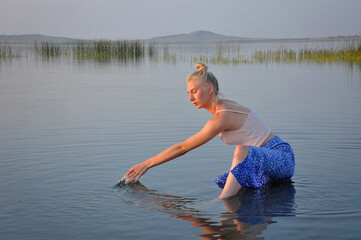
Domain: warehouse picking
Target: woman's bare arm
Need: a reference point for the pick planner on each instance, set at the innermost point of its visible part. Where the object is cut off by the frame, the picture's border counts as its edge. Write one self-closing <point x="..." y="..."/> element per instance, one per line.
<point x="213" y="127"/>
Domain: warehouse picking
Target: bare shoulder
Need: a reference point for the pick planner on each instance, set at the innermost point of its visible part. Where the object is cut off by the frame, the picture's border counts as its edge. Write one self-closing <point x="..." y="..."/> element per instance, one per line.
<point x="232" y="120"/>
<point x="228" y="104"/>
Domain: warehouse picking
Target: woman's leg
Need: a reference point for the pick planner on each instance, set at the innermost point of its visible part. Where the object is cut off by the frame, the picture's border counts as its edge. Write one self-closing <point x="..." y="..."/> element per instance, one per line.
<point x="232" y="186"/>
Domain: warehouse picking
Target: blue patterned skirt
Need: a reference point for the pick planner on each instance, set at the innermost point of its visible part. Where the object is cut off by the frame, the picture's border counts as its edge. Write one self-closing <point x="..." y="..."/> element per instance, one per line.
<point x="273" y="161"/>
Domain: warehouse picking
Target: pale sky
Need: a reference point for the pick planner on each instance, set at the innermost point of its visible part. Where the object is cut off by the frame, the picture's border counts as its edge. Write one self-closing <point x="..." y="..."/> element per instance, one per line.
<point x="141" y="19"/>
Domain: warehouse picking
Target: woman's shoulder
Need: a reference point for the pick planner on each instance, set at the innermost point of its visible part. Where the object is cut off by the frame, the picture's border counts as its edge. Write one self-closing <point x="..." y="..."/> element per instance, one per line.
<point x="231" y="105"/>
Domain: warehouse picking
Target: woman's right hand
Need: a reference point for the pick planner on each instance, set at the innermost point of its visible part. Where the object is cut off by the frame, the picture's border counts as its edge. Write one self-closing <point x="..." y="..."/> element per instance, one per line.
<point x="136" y="172"/>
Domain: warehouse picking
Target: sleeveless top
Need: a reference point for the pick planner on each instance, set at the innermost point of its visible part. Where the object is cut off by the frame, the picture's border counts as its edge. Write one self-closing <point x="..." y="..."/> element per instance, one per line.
<point x="253" y="132"/>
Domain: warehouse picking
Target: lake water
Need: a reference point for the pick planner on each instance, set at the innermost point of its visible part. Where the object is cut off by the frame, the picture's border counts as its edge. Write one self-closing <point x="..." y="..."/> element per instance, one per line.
<point x="70" y="129"/>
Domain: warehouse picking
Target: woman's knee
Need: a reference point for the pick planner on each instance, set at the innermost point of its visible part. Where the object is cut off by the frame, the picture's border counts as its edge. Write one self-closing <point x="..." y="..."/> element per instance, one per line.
<point x="241" y="152"/>
<point x="240" y="155"/>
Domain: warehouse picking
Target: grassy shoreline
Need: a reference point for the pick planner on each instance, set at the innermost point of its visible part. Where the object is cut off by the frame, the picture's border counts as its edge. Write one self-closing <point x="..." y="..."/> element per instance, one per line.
<point x="135" y="49"/>
<point x="349" y="53"/>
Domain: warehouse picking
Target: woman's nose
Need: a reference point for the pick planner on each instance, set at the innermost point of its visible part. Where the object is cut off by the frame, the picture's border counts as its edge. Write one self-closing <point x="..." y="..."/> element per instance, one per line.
<point x="191" y="97"/>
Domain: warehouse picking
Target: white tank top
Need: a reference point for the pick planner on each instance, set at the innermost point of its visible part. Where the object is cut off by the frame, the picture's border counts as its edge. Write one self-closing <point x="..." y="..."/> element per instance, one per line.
<point x="252" y="133"/>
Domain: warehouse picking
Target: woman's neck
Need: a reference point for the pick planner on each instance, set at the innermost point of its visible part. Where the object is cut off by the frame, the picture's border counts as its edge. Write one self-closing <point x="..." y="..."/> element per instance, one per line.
<point x="213" y="106"/>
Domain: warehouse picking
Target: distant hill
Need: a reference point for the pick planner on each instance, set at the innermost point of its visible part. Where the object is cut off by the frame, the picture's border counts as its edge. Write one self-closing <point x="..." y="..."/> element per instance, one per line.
<point x="199" y="36"/>
<point x="33" y="38"/>
<point x="193" y="37"/>
<point x="207" y="36"/>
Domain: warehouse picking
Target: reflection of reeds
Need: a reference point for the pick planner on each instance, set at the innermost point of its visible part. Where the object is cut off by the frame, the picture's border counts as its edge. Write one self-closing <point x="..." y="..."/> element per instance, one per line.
<point x="222" y="60"/>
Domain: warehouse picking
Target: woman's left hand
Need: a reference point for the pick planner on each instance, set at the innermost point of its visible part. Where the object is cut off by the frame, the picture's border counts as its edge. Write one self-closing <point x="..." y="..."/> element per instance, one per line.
<point x="136" y="172"/>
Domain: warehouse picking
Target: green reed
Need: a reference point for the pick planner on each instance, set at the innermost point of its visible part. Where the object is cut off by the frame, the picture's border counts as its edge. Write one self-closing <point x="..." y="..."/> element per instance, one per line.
<point x="134" y="49"/>
<point x="48" y="49"/>
<point x="92" y="49"/>
<point x="279" y="56"/>
<point x="6" y="51"/>
<point x="109" y="48"/>
<point x="152" y="50"/>
<point x="350" y="53"/>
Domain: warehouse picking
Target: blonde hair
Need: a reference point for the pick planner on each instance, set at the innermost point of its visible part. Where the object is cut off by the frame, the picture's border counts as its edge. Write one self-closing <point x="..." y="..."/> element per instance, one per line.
<point x="205" y="76"/>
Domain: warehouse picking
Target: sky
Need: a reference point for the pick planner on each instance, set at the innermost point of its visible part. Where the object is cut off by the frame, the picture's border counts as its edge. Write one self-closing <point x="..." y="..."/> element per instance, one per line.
<point x="143" y="19"/>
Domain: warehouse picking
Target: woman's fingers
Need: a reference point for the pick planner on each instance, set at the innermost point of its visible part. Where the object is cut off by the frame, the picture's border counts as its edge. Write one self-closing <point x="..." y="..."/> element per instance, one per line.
<point x="133" y="174"/>
<point x="129" y="177"/>
<point x="137" y="178"/>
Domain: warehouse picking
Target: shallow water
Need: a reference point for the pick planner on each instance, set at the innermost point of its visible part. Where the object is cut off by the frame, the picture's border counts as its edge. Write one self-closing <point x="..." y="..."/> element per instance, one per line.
<point x="69" y="130"/>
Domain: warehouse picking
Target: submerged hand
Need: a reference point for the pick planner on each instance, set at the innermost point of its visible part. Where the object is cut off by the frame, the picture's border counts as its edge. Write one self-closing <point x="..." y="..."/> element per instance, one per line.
<point x="136" y="172"/>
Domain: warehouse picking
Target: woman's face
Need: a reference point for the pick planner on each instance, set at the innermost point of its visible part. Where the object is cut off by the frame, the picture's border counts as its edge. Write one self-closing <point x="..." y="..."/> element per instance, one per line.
<point x="200" y="94"/>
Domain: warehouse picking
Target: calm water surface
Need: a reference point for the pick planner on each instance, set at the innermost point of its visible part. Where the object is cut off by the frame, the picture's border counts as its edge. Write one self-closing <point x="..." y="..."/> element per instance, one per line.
<point x="69" y="129"/>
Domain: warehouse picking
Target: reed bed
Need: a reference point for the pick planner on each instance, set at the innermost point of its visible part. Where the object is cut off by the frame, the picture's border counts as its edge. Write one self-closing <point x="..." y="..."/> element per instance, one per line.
<point x="108" y="48"/>
<point x="134" y="49"/>
<point x="6" y="51"/>
<point x="48" y="49"/>
<point x="350" y="53"/>
<point x="92" y="49"/>
<point x="152" y="50"/>
<point x="279" y="56"/>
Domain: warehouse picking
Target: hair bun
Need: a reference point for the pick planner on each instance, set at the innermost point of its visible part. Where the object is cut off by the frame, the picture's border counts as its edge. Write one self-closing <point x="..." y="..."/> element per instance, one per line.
<point x="201" y="67"/>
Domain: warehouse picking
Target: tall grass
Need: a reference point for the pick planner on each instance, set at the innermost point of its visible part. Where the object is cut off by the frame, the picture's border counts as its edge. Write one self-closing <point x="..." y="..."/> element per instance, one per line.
<point x="6" y="51"/>
<point x="48" y="49"/>
<point x="350" y="53"/>
<point x="91" y="49"/>
<point x="279" y="56"/>
<point x="108" y="48"/>
<point x="152" y="50"/>
<point x="134" y="49"/>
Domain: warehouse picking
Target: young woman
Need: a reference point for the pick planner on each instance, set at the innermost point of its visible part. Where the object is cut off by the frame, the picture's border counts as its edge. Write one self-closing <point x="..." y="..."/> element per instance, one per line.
<point x="259" y="156"/>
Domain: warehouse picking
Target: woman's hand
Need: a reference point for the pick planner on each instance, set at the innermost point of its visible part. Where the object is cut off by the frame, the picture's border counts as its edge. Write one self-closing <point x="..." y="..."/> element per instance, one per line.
<point x="213" y="127"/>
<point x="136" y="172"/>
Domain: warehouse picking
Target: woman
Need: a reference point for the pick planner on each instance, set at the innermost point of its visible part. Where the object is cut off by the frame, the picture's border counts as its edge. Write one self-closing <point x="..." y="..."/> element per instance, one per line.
<point x="259" y="157"/>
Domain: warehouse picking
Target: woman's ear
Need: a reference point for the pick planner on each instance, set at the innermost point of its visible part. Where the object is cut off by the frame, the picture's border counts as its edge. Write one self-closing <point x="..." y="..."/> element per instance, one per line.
<point x="210" y="89"/>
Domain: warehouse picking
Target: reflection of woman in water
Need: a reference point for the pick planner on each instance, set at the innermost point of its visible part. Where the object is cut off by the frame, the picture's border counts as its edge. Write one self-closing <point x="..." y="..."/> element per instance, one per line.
<point x="259" y="157"/>
<point x="248" y="213"/>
